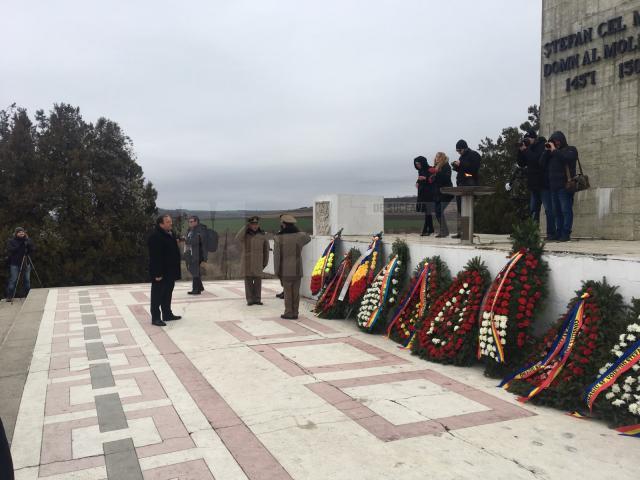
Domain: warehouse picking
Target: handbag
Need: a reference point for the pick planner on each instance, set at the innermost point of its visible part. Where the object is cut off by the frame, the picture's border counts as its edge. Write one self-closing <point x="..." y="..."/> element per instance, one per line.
<point x="579" y="182"/>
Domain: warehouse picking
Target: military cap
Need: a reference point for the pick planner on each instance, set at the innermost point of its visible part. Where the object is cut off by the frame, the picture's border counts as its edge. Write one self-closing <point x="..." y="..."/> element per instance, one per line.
<point x="287" y="218"/>
<point x="254" y="219"/>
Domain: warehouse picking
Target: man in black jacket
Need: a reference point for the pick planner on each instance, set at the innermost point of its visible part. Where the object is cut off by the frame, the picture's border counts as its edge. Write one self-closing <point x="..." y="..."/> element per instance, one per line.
<point x="529" y="155"/>
<point x="19" y="250"/>
<point x="468" y="167"/>
<point x="559" y="162"/>
<point x="196" y="253"/>
<point x="164" y="269"/>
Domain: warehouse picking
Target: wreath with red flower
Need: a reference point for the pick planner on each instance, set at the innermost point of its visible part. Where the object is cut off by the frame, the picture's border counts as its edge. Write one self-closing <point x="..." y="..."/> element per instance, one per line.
<point x="449" y="333"/>
<point x="573" y="350"/>
<point x="510" y="307"/>
<point x="430" y="279"/>
<point x="328" y="305"/>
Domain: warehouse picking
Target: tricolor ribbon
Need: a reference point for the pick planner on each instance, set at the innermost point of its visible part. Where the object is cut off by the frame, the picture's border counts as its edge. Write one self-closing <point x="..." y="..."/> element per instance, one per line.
<point x="629" y="358"/>
<point x="515" y="258"/>
<point x="559" y="352"/>
<point x="419" y="284"/>
<point x="629" y="430"/>
<point x="384" y="293"/>
<point x="373" y="246"/>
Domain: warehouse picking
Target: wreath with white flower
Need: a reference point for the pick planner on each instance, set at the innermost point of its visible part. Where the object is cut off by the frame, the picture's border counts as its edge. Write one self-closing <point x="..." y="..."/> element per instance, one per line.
<point x="620" y="377"/>
<point x="510" y="306"/>
<point x="430" y="279"/>
<point x="449" y="333"/>
<point x="384" y="291"/>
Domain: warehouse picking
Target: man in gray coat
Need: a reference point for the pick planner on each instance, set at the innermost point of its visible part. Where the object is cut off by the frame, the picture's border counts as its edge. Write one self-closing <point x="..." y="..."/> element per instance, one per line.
<point x="253" y="259"/>
<point x="287" y="257"/>
<point x="196" y="253"/>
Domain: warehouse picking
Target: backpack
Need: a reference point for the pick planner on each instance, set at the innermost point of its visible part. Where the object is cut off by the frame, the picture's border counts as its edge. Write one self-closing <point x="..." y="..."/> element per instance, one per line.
<point x="212" y="240"/>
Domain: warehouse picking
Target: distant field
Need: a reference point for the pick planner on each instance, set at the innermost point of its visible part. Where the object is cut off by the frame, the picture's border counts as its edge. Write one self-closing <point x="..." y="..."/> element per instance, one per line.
<point x="272" y="225"/>
<point x="392" y="223"/>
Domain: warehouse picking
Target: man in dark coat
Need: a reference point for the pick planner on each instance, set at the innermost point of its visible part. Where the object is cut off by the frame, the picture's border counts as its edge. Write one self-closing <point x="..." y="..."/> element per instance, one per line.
<point x="164" y="269"/>
<point x="19" y="250"/>
<point x="254" y="259"/>
<point x="529" y="153"/>
<point x="559" y="161"/>
<point x="287" y="260"/>
<point x="425" y="186"/>
<point x="196" y="253"/>
<point x="468" y="168"/>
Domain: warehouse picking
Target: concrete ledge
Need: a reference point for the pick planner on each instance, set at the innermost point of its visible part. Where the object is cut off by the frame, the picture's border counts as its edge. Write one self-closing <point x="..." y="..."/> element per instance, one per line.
<point x="19" y="331"/>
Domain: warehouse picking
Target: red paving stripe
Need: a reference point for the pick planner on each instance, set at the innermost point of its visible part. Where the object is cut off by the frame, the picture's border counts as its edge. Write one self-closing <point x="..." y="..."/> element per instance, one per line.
<point x="386" y="431"/>
<point x="289" y="366"/>
<point x="252" y="456"/>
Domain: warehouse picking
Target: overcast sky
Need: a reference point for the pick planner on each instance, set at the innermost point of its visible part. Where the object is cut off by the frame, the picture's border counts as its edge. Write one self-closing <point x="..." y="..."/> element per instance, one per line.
<point x="267" y="103"/>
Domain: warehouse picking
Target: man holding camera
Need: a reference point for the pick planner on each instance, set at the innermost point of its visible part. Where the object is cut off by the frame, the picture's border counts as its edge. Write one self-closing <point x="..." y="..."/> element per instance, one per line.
<point x="164" y="270"/>
<point x="467" y="166"/>
<point x="559" y="162"/>
<point x="19" y="250"/>
<point x="529" y="154"/>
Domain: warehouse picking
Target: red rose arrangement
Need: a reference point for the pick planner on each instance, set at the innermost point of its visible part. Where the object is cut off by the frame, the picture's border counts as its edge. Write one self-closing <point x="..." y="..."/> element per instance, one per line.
<point x="449" y="333"/>
<point x="510" y="308"/>
<point x="429" y="280"/>
<point x="571" y="353"/>
<point x="328" y="304"/>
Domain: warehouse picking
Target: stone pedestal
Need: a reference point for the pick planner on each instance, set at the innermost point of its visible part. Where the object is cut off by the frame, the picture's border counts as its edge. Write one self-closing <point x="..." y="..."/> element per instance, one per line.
<point x="355" y="214"/>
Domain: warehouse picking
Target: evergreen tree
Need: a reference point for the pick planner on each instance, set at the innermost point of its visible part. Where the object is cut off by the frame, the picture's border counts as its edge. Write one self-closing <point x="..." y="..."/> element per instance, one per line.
<point x="79" y="191"/>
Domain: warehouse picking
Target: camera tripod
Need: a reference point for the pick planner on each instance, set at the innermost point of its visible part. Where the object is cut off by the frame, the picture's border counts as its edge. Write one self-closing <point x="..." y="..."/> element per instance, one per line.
<point x="26" y="260"/>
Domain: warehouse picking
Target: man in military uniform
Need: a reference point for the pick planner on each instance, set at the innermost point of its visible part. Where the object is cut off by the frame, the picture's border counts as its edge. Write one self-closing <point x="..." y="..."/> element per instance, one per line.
<point x="253" y="259"/>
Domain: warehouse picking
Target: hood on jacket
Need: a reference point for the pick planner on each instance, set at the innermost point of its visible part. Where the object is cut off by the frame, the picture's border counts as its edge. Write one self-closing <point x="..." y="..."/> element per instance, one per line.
<point x="559" y="136"/>
<point x="424" y="163"/>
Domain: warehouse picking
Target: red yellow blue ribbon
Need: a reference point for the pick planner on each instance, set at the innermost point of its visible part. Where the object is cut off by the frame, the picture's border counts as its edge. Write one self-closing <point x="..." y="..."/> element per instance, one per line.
<point x="630" y="430"/>
<point x="629" y="358"/>
<point x="384" y="293"/>
<point x="559" y="352"/>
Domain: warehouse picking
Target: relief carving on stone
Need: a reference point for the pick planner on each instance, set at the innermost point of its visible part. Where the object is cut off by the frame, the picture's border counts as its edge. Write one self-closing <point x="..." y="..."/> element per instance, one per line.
<point x="322" y="218"/>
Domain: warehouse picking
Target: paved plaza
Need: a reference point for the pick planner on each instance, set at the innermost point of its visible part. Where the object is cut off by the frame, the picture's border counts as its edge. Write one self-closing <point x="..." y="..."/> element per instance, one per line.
<point x="234" y="392"/>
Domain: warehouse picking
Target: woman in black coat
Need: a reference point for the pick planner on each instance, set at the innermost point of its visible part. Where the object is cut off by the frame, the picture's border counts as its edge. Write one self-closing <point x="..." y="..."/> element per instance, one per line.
<point x="425" y="187"/>
<point x="441" y="174"/>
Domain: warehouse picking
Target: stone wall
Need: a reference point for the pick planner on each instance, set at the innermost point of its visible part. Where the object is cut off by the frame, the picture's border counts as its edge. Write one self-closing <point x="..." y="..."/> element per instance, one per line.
<point x="599" y="114"/>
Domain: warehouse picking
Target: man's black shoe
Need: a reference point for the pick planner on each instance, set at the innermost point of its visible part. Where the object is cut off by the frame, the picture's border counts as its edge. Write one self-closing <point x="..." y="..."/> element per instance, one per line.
<point x="172" y="317"/>
<point x="195" y="292"/>
<point x="280" y="295"/>
<point x="564" y="239"/>
<point x="289" y="317"/>
<point x="258" y="303"/>
<point x="158" y="323"/>
<point x="249" y="303"/>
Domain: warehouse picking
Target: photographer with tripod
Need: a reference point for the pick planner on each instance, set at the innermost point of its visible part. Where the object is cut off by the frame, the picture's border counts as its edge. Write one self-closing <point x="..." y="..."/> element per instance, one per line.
<point x="19" y="250"/>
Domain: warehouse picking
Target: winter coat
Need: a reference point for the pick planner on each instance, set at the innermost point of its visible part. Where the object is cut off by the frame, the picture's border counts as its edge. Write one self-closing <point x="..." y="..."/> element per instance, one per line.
<point x="443" y="179"/>
<point x="529" y="161"/>
<point x="287" y="254"/>
<point x="555" y="163"/>
<point x="196" y="249"/>
<point x="468" y="169"/>
<point x="164" y="255"/>
<point x="255" y="251"/>
<point x="17" y="248"/>
<point x="426" y="188"/>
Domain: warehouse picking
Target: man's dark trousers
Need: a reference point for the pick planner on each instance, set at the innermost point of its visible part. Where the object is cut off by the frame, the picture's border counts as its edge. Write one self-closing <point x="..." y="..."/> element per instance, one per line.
<point x="6" y="465"/>
<point x="161" y="293"/>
